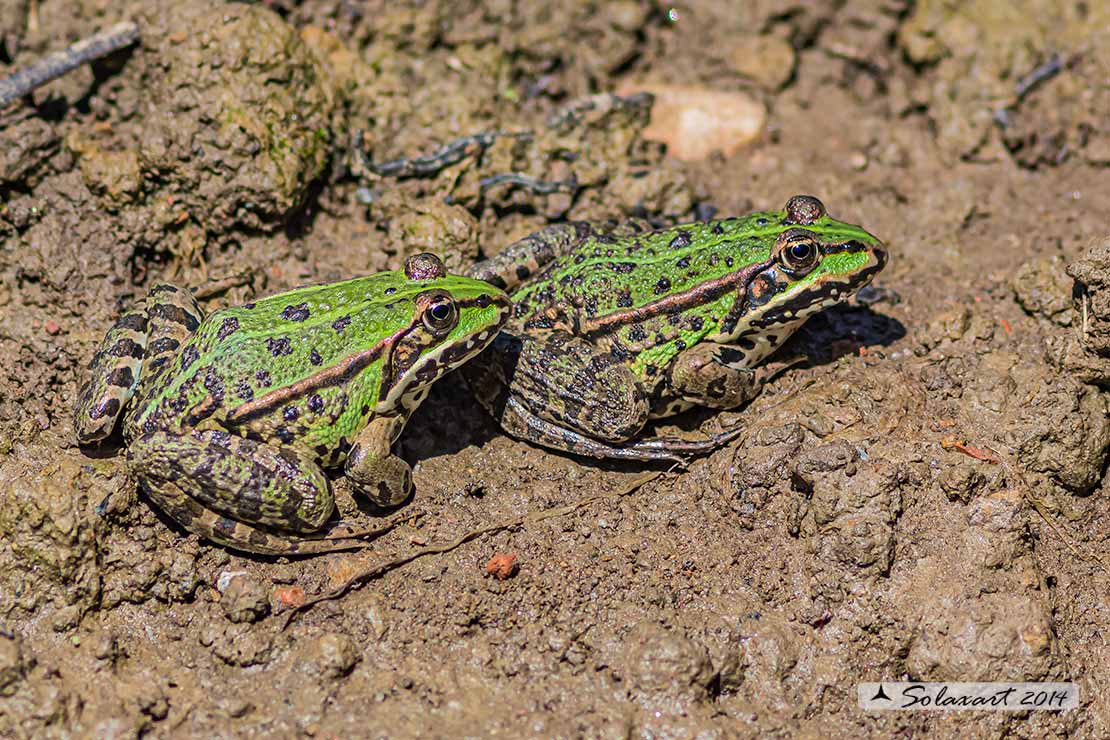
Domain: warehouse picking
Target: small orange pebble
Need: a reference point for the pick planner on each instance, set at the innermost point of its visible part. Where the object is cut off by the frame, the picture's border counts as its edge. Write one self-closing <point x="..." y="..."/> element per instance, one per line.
<point x="502" y="565"/>
<point x="51" y="326"/>
<point x="1005" y="326"/>
<point x="950" y="441"/>
<point x="946" y="423"/>
<point x="291" y="596"/>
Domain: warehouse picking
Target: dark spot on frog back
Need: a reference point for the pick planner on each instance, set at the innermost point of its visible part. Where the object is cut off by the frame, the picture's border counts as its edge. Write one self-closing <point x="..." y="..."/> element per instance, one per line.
<point x="662" y="286"/>
<point x="341" y="323"/>
<point x="298" y="312"/>
<point x="314" y="357"/>
<point x="681" y="241"/>
<point x="244" y="390"/>
<point x="214" y="384"/>
<point x="263" y="378"/>
<point x="228" y="326"/>
<point x="279" y="346"/>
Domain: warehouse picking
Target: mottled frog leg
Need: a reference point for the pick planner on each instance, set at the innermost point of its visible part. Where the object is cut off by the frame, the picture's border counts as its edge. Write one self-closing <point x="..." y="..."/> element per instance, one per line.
<point x="561" y="392"/>
<point x="524" y="258"/>
<point x="113" y="376"/>
<point x="373" y="470"/>
<point x="237" y="492"/>
<point x="172" y="317"/>
<point x="136" y="346"/>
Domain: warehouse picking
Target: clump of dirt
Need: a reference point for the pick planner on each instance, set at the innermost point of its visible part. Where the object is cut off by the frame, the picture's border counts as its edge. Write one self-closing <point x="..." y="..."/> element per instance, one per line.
<point x="237" y="122"/>
<point x="925" y="498"/>
<point x="988" y="61"/>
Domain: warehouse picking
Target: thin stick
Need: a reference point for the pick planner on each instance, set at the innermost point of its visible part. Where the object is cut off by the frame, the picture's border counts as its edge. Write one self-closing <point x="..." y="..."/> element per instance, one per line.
<point x="37" y="74"/>
<point x="535" y="516"/>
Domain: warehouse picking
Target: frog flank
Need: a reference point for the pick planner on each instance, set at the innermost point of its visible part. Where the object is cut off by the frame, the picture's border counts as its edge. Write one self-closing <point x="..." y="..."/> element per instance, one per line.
<point x="614" y="325"/>
<point x="231" y="420"/>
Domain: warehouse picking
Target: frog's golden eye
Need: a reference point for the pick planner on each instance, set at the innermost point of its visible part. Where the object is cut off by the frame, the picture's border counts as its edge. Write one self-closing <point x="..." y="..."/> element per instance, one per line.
<point x="799" y="252"/>
<point x="441" y="315"/>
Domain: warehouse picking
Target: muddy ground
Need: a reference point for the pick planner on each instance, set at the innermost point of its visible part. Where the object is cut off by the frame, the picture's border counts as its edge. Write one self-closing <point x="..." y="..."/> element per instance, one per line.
<point x="925" y="500"/>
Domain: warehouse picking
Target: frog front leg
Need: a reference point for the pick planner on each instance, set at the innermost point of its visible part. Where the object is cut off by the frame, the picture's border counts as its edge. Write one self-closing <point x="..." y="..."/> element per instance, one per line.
<point x="373" y="470"/>
<point x="711" y="375"/>
<point x="238" y="492"/>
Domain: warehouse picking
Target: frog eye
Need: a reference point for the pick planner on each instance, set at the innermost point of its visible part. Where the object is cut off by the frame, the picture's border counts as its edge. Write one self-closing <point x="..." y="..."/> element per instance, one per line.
<point x="441" y="315"/>
<point x="799" y="254"/>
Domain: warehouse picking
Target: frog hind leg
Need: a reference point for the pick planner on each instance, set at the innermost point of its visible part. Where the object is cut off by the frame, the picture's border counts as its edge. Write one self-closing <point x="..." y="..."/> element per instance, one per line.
<point x="113" y="377"/>
<point x="172" y="317"/>
<point x="521" y="423"/>
<point x="525" y="257"/>
<point x="136" y="346"/>
<point x="237" y="492"/>
<point x="561" y="392"/>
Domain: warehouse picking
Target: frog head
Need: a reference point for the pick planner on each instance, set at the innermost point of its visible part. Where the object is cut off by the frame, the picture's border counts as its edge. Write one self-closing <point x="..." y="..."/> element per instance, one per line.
<point x="451" y="319"/>
<point x="814" y="262"/>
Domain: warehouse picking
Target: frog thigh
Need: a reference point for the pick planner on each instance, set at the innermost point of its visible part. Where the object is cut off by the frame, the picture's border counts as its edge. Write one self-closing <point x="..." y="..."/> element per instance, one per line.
<point x="563" y="380"/>
<point x="142" y="340"/>
<point x="278" y="488"/>
<point x="525" y="257"/>
<point x="172" y="317"/>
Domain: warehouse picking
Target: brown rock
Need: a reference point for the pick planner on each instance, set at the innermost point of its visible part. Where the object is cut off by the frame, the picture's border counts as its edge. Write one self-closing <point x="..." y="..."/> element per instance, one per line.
<point x="694" y="122"/>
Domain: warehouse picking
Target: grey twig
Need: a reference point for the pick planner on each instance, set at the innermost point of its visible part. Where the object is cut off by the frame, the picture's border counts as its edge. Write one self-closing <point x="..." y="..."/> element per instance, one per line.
<point x="445" y="156"/>
<point x="37" y="74"/>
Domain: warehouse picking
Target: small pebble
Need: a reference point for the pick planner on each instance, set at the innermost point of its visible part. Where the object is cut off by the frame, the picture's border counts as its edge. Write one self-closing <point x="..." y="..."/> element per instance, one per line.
<point x="694" y="122"/>
<point x="502" y="566"/>
<point x="290" y="596"/>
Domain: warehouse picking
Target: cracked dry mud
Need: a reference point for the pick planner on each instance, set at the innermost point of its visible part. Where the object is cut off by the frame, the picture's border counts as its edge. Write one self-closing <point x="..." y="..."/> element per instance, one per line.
<point x="927" y="499"/>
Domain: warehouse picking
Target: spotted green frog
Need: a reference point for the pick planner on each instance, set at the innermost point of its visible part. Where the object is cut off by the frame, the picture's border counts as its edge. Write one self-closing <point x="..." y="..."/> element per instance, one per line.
<point x="616" y="325"/>
<point x="231" y="420"/>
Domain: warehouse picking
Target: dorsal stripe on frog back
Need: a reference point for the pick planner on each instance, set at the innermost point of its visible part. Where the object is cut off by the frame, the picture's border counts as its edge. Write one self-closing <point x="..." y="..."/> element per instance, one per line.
<point x="701" y="294"/>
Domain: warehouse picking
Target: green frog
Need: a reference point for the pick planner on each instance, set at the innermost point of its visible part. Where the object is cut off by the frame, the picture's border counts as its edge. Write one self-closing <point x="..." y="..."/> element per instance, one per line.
<point x="232" y="419"/>
<point x="614" y="325"/>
